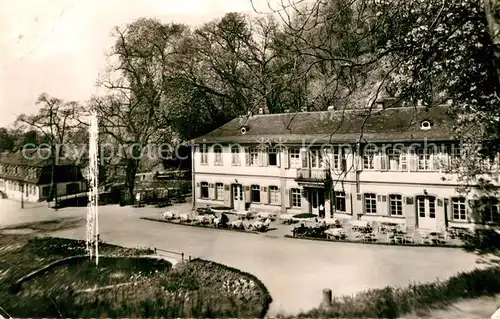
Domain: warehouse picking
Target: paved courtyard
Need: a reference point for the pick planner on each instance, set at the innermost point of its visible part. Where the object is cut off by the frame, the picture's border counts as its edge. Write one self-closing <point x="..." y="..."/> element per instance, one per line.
<point x="295" y="271"/>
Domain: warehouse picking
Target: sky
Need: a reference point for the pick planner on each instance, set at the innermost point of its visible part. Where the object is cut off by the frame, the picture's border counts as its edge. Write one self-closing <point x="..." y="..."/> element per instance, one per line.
<point x="59" y="46"/>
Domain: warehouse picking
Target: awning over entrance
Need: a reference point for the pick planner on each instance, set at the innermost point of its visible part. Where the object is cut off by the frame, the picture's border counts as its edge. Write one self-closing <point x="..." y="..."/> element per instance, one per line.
<point x="312" y="184"/>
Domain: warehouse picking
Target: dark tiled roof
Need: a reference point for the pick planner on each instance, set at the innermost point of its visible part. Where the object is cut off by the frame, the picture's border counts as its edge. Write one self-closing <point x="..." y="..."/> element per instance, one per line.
<point x="340" y="126"/>
<point x="33" y="158"/>
<point x="20" y="178"/>
<point x="63" y="174"/>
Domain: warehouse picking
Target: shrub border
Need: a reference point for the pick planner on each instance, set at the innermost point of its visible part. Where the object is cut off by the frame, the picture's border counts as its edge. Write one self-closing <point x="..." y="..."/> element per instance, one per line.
<point x="267" y="297"/>
<point x="374" y="243"/>
<point x="443" y="286"/>
<point x="199" y="226"/>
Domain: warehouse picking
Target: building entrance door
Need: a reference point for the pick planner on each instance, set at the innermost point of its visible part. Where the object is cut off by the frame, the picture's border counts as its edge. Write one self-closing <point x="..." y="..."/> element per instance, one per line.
<point x="317" y="202"/>
<point x="238" y="197"/>
<point x="426" y="210"/>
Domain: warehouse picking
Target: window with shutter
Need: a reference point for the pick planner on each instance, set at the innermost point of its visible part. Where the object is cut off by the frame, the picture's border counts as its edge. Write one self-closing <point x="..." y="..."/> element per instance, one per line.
<point x="370" y="204"/>
<point x="395" y="205"/>
<point x="256" y="195"/>
<point x="294" y="158"/>
<point x="403" y="162"/>
<point x="459" y="209"/>
<point x="296" y="197"/>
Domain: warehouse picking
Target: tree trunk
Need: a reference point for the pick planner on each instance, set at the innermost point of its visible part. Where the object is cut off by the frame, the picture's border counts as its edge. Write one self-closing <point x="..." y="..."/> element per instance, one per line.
<point x="130" y="172"/>
<point x="492" y="12"/>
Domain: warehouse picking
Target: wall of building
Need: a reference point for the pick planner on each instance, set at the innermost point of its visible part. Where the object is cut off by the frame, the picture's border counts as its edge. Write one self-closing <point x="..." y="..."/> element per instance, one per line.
<point x="354" y="181"/>
<point x="62" y="189"/>
<point x="12" y="189"/>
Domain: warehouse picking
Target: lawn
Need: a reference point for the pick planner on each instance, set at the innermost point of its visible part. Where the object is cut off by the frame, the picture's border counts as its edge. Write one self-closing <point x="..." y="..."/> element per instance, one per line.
<point x="120" y="287"/>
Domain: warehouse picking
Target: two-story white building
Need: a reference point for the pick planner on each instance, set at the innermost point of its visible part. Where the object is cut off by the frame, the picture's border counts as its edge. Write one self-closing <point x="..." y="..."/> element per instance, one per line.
<point x="388" y="165"/>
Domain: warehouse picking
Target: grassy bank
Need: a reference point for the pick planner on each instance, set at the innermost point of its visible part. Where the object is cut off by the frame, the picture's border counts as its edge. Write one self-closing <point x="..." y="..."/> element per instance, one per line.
<point x="120" y="287"/>
<point x="397" y="302"/>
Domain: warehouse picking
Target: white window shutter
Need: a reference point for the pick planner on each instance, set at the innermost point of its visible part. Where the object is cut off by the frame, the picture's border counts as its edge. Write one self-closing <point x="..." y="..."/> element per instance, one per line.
<point x="264" y="157"/>
<point x="248" y="194"/>
<point x="247" y="156"/>
<point x="304" y="157"/>
<point x="264" y="197"/>
<point x="358" y="162"/>
<point x="211" y="191"/>
<point x="278" y="157"/>
<point x="377" y="165"/>
<point x="413" y="162"/>
<point x="288" y="198"/>
<point x="198" y="190"/>
<point x="286" y="158"/>
<point x="227" y="195"/>
<point x="384" y="162"/>
<point x="279" y="196"/>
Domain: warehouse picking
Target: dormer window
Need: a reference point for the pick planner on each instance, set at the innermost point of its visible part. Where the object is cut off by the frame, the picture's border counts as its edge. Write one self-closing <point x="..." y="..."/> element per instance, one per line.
<point x="244" y="129"/>
<point x="425" y="125"/>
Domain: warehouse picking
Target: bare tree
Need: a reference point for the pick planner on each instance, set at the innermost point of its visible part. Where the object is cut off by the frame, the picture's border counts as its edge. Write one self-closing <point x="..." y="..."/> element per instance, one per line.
<point x="56" y="122"/>
<point x="135" y="111"/>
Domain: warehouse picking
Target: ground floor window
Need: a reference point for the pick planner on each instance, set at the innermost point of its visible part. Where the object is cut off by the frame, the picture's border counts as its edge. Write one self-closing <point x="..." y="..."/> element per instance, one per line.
<point x="274" y="195"/>
<point x="72" y="188"/>
<point x="219" y="191"/>
<point x="370" y="204"/>
<point x="340" y="205"/>
<point x="256" y="193"/>
<point x="491" y="210"/>
<point x="459" y="208"/>
<point x="296" y="198"/>
<point x="45" y="191"/>
<point x="396" y="205"/>
<point x="204" y="190"/>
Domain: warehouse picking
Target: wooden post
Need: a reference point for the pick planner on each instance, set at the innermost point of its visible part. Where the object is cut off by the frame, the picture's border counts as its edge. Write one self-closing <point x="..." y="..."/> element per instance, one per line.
<point x="327" y="298"/>
<point x="182" y="256"/>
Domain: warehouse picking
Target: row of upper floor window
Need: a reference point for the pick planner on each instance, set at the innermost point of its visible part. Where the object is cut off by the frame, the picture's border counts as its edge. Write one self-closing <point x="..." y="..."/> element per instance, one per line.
<point x="338" y="158"/>
<point x="17" y="170"/>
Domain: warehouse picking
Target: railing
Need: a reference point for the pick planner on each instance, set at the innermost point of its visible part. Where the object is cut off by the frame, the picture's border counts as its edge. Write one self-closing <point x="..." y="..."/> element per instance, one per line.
<point x="158" y="251"/>
<point x="314" y="174"/>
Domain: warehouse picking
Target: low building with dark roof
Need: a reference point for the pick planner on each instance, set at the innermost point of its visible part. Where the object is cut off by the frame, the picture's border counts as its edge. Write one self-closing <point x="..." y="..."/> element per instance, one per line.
<point x="386" y="164"/>
<point x="27" y="175"/>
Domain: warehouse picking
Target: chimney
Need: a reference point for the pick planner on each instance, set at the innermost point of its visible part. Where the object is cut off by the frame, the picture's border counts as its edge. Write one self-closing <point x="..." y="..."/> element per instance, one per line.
<point x="261" y="110"/>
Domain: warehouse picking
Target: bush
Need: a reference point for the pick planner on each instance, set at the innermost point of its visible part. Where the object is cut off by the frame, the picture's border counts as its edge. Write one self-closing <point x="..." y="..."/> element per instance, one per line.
<point x="222" y="208"/>
<point x="484" y="241"/>
<point x="396" y="302"/>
